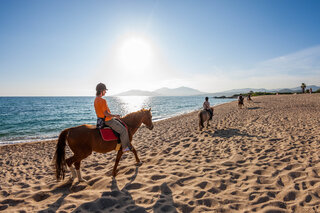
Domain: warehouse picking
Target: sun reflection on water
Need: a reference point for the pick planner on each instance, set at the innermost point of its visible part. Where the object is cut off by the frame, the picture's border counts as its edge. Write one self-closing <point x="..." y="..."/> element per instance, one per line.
<point x="133" y="103"/>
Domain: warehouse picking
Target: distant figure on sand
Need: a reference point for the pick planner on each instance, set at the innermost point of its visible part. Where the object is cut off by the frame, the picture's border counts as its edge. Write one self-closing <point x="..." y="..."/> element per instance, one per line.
<point x="105" y="118"/>
<point x="206" y="114"/>
<point x="206" y="106"/>
<point x="240" y="101"/>
<point x="249" y="98"/>
<point x="310" y="90"/>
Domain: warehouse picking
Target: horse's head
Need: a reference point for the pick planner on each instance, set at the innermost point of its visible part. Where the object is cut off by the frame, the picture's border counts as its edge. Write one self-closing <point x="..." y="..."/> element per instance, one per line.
<point x="147" y="118"/>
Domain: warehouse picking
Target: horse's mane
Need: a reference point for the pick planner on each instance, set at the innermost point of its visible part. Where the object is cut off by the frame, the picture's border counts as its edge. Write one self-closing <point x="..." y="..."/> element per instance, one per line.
<point x="133" y="115"/>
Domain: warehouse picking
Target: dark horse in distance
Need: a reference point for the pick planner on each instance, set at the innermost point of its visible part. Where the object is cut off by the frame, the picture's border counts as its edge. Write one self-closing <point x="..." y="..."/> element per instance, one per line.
<point x="204" y="116"/>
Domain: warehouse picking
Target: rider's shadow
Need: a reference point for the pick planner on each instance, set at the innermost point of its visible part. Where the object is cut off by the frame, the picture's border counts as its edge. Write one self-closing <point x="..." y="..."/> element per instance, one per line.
<point x="115" y="200"/>
<point x="120" y="200"/>
<point x="165" y="202"/>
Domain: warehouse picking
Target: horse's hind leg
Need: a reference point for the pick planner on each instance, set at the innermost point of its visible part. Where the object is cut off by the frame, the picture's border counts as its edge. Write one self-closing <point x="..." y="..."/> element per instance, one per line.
<point x="135" y="154"/>
<point x="114" y="172"/>
<point x="70" y="162"/>
<point x="77" y="165"/>
<point x="200" y="125"/>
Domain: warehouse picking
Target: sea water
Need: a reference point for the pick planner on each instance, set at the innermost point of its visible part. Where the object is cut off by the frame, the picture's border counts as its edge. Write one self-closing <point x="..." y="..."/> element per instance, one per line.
<point x="27" y="119"/>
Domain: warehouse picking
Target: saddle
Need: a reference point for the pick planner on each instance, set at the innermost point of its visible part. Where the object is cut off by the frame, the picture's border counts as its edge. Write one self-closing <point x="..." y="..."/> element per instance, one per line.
<point x="108" y="134"/>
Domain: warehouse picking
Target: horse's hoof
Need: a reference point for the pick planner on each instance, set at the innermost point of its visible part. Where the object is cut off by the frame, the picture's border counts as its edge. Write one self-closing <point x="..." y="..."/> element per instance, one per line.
<point x="139" y="163"/>
<point x="82" y="180"/>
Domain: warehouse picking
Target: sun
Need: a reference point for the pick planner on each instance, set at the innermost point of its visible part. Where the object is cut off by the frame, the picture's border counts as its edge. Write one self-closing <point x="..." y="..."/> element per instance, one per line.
<point x="135" y="54"/>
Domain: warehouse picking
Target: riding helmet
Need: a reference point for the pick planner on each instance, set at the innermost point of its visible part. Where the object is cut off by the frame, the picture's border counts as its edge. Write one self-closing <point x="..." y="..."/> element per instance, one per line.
<point x="100" y="87"/>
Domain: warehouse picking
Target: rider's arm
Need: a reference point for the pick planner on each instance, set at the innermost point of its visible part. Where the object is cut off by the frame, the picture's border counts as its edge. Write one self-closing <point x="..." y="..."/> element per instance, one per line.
<point x="106" y="113"/>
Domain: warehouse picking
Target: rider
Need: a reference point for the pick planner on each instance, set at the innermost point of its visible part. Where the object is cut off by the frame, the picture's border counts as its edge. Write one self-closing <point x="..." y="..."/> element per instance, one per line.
<point x="206" y="106"/>
<point x="105" y="117"/>
<point x="240" y="101"/>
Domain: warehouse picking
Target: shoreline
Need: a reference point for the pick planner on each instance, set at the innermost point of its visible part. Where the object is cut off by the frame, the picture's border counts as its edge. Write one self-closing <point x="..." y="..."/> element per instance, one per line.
<point x="262" y="158"/>
<point x="56" y="137"/>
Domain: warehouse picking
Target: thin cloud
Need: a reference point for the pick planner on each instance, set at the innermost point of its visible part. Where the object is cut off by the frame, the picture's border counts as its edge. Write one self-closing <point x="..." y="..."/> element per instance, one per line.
<point x="281" y="72"/>
<point x="302" y="63"/>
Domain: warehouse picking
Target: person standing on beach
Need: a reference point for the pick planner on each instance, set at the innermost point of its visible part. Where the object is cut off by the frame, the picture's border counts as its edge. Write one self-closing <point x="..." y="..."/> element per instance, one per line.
<point x="240" y="101"/>
<point x="106" y="118"/>
<point x="206" y="106"/>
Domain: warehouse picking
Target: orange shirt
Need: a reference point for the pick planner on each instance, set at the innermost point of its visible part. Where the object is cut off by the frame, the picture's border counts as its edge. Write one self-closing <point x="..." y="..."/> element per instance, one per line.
<point x="100" y="105"/>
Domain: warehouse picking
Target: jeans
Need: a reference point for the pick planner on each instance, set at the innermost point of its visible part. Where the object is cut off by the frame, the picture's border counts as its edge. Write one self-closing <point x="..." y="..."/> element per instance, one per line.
<point x="119" y="128"/>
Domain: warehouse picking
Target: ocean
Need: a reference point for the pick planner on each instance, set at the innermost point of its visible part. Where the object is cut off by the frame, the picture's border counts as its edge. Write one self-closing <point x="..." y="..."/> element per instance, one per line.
<point x="28" y="119"/>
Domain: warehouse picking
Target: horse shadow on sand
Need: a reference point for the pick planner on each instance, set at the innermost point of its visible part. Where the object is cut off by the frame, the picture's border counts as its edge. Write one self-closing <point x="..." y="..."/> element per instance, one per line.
<point x="252" y="108"/>
<point x="228" y="133"/>
<point x="120" y="200"/>
<point x="65" y="188"/>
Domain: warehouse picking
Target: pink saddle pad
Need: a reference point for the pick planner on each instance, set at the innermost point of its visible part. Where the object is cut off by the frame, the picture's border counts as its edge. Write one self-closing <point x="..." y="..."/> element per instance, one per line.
<point x="108" y="135"/>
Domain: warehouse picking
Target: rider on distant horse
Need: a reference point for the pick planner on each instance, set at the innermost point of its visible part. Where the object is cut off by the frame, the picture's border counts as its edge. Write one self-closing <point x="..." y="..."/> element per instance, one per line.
<point x="206" y="106"/>
<point x="240" y="101"/>
<point x="106" y="118"/>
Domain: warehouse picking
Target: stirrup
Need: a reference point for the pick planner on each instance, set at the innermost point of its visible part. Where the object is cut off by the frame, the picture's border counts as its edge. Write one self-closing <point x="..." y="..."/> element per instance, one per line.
<point x="126" y="149"/>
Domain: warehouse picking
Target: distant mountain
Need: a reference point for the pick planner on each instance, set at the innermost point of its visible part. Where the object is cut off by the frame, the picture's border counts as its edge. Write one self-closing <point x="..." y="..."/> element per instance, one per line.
<point x="236" y="91"/>
<point x="229" y="93"/>
<point x="186" y="91"/>
<point x="137" y="93"/>
<point x="298" y="89"/>
<point x="180" y="91"/>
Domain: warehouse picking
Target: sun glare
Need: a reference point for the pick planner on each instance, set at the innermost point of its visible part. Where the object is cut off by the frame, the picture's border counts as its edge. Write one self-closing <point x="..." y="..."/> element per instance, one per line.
<point x="134" y="103"/>
<point x="135" y="54"/>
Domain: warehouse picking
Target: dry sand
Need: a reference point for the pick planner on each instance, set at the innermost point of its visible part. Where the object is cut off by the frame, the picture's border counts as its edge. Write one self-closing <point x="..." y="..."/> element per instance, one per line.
<point x="264" y="158"/>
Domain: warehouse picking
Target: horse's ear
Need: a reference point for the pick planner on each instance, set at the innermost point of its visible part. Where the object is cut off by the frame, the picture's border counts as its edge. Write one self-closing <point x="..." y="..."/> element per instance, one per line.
<point x="149" y="109"/>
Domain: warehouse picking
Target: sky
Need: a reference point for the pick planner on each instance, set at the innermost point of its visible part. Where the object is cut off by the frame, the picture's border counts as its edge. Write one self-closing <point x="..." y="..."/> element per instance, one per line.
<point x="65" y="48"/>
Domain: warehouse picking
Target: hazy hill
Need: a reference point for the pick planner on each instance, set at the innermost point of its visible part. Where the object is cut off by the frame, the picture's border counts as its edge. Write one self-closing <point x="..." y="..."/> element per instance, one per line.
<point x="180" y="91"/>
<point x="186" y="91"/>
<point x="137" y="93"/>
<point x="232" y="92"/>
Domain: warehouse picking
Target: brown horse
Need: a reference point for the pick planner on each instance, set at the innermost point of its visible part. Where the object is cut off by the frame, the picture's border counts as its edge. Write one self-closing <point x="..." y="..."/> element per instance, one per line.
<point x="204" y="116"/>
<point x="84" y="139"/>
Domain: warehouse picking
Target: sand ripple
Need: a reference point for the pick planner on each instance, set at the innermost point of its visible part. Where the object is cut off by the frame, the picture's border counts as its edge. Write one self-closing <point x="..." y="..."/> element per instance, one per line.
<point x="262" y="158"/>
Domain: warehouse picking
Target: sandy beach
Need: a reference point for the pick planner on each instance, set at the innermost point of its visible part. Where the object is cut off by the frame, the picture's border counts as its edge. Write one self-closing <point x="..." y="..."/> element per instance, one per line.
<point x="262" y="158"/>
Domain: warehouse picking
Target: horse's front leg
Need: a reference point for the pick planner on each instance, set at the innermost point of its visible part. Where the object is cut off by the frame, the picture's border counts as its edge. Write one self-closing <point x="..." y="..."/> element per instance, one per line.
<point x="208" y="124"/>
<point x="114" y="172"/>
<point x="135" y="154"/>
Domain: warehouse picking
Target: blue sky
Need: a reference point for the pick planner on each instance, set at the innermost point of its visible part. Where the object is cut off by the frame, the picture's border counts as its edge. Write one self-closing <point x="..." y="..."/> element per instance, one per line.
<point x="67" y="47"/>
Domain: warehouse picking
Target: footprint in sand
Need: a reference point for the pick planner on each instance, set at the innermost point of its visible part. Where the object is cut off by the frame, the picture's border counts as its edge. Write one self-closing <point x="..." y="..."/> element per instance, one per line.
<point x="158" y="177"/>
<point x="3" y="207"/>
<point x="200" y="194"/>
<point x="186" y="145"/>
<point x="290" y="196"/>
<point x="203" y="184"/>
<point x="130" y="171"/>
<point x="134" y="186"/>
<point x="12" y="202"/>
<point x="99" y="168"/>
<point x="40" y="196"/>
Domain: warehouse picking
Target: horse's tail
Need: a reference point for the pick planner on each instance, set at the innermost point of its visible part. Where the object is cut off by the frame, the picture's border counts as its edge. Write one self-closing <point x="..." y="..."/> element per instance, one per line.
<point x="60" y="155"/>
<point x="200" y="120"/>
